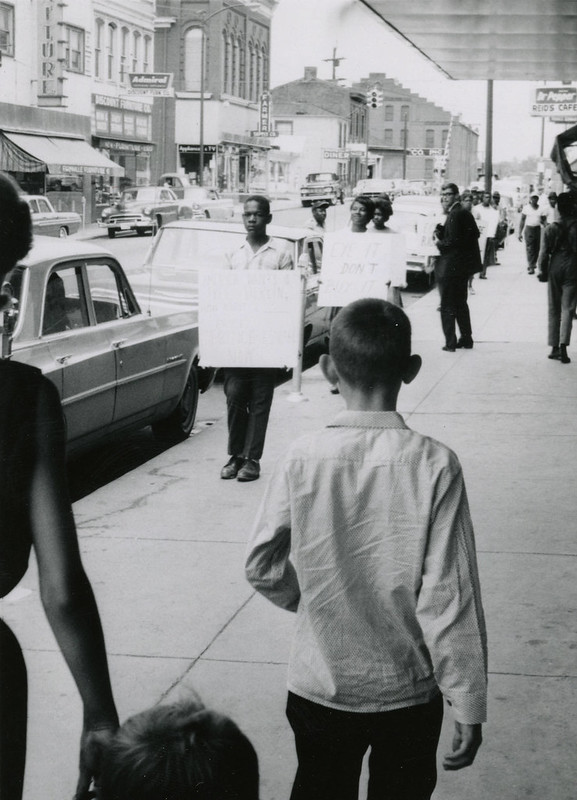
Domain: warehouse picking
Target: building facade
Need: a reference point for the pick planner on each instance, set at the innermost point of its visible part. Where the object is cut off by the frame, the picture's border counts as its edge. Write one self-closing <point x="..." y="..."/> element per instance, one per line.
<point x="412" y="138"/>
<point x="68" y="128"/>
<point x="212" y="129"/>
<point x="327" y="123"/>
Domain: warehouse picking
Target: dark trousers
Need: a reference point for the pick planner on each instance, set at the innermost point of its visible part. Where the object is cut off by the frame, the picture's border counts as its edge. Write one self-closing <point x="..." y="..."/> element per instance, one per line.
<point x="331" y="744"/>
<point x="562" y="304"/>
<point x="249" y="394"/>
<point x="532" y="244"/>
<point x="454" y="309"/>
<point x="13" y="715"/>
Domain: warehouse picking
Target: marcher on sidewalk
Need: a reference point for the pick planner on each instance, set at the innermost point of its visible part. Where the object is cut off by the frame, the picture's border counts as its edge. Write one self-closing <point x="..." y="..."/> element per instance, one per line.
<point x="530" y="225"/>
<point x="364" y="531"/>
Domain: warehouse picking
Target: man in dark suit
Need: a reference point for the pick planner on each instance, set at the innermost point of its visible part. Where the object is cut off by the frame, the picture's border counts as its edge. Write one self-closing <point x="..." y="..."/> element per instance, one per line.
<point x="459" y="258"/>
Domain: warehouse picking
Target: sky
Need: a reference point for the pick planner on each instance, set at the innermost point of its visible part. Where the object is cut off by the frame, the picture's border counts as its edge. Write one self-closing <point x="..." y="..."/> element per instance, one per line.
<point x="304" y="33"/>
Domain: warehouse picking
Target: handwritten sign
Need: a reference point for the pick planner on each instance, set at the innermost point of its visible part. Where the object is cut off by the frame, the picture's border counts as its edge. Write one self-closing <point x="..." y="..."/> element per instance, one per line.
<point x="357" y="265"/>
<point x="249" y="318"/>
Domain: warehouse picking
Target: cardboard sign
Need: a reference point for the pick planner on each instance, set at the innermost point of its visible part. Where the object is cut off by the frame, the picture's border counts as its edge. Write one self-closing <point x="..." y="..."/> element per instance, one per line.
<point x="357" y="265"/>
<point x="249" y="318"/>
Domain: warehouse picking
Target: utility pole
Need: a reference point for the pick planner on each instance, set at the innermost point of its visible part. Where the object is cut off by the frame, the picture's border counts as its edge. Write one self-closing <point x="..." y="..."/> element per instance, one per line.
<point x="335" y="62"/>
<point x="405" y="137"/>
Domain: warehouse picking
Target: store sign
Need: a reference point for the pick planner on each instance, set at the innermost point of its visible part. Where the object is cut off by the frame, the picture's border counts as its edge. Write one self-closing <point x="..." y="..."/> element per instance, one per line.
<point x="51" y="62"/>
<point x="340" y="155"/>
<point x="183" y="149"/>
<point x="125" y="147"/>
<point x="263" y="134"/>
<point x="425" y="151"/>
<point x="118" y="102"/>
<point x="156" y="84"/>
<point x="264" y="118"/>
<point x="555" y="100"/>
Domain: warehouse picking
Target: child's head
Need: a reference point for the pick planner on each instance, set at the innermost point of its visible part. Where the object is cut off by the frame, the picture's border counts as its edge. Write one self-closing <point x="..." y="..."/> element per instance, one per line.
<point x="370" y="345"/>
<point x="179" y="752"/>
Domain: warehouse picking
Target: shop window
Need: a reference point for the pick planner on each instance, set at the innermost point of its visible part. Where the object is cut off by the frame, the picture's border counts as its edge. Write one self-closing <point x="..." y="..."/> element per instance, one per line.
<point x="111" y="54"/>
<point x="142" y="126"/>
<point x="284" y="127"/>
<point x="101" y="119"/>
<point x="116" y="122"/>
<point x="135" y="51"/>
<point x="388" y="136"/>
<point x="192" y="59"/>
<point x="7" y="29"/>
<point x="389" y="113"/>
<point x="129" y="125"/>
<point x="429" y="137"/>
<point x="146" y="57"/>
<point x="73" y="48"/>
<point x="429" y="166"/>
<point x="98" y="48"/>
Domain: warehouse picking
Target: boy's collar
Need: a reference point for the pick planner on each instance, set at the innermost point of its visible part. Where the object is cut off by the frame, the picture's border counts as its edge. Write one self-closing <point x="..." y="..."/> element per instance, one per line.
<point x="368" y="419"/>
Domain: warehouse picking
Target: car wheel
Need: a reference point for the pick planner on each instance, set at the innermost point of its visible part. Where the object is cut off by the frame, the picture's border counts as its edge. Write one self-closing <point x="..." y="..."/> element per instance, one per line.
<point x="179" y="424"/>
<point x="206" y="213"/>
<point x="111" y="233"/>
<point x="157" y="225"/>
<point x="62" y="232"/>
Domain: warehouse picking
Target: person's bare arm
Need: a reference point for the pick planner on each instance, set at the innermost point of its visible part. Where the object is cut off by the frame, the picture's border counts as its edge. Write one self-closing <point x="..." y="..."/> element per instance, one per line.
<point x="65" y="590"/>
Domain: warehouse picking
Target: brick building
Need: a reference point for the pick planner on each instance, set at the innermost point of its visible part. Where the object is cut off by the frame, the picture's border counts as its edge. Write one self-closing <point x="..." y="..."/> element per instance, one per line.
<point x="413" y="138"/>
<point x="226" y="95"/>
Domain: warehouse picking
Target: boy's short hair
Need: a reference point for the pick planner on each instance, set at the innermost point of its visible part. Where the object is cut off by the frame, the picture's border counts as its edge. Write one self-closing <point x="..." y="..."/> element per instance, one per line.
<point x="566" y="204"/>
<point x="370" y="343"/>
<point x="179" y="751"/>
<point x="263" y="202"/>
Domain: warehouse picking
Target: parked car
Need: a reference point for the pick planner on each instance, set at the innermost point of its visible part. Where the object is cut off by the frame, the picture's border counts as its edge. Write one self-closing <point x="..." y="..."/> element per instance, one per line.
<point x="142" y="209"/>
<point x="182" y="248"/>
<point x="116" y="366"/>
<point x="49" y="222"/>
<point x="416" y="217"/>
<point x="200" y="202"/>
<point x="322" y="186"/>
<point x="374" y="188"/>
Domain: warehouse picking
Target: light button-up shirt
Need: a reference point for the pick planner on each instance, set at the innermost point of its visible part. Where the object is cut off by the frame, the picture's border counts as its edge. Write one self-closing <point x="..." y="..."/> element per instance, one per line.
<point x="274" y="254"/>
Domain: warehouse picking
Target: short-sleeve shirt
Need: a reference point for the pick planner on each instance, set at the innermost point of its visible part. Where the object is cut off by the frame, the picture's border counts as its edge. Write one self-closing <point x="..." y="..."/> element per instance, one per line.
<point x="532" y="215"/>
<point x="274" y="254"/>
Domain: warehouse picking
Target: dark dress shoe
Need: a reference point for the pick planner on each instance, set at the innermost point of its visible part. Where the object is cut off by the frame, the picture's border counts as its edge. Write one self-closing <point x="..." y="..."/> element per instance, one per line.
<point x="467" y="344"/>
<point x="448" y="349"/>
<point x="249" y="471"/>
<point x="555" y="353"/>
<point x="231" y="468"/>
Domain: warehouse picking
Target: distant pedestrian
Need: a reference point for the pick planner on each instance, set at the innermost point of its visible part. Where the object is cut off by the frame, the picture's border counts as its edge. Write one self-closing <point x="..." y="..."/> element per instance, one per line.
<point x="249" y="391"/>
<point x="487" y="219"/>
<point x="319" y="211"/>
<point x="467" y="203"/>
<point x="558" y="257"/>
<point x="459" y="258"/>
<point x="530" y="225"/>
<point x="550" y="210"/>
<point x="502" y="225"/>
<point x="364" y="532"/>
<point x="183" y="750"/>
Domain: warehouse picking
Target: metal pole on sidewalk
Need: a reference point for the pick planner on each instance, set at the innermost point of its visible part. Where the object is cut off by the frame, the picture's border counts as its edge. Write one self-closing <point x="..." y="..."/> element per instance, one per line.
<point x="489" y="139"/>
<point x="295" y="395"/>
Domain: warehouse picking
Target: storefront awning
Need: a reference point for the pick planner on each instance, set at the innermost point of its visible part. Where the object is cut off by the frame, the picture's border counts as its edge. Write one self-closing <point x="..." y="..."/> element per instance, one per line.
<point x="59" y="155"/>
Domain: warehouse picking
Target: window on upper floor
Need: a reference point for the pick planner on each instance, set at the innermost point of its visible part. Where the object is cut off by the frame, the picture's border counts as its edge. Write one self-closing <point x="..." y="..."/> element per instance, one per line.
<point x="111" y="51"/>
<point x="236" y="67"/>
<point x="73" y="48"/>
<point x="136" y="37"/>
<point x="147" y="54"/>
<point x="226" y="62"/>
<point x="192" y="59"/>
<point x="429" y="137"/>
<point x="284" y="127"/>
<point x="124" y="55"/>
<point x="7" y="29"/>
<point x="389" y="113"/>
<point x="98" y="48"/>
<point x="388" y="136"/>
<point x="405" y="111"/>
<point x="444" y="137"/>
<point x="252" y="83"/>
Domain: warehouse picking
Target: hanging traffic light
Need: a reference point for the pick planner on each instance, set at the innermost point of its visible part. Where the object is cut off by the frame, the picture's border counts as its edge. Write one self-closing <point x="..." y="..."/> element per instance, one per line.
<point x="374" y="97"/>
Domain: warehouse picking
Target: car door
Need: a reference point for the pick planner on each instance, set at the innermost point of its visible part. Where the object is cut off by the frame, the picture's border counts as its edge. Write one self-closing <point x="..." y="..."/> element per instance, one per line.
<point x="84" y="354"/>
<point x="49" y="217"/>
<point x="38" y="219"/>
<point x="136" y="341"/>
<point x="317" y="320"/>
<point x="169" y="205"/>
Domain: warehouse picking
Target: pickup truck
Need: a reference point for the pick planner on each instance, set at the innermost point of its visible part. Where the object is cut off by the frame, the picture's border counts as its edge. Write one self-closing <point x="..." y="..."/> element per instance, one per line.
<point x="322" y="186"/>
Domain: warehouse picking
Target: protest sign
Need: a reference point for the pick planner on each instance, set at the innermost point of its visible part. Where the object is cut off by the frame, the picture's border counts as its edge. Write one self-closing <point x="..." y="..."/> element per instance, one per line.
<point x="249" y="318"/>
<point x="357" y="265"/>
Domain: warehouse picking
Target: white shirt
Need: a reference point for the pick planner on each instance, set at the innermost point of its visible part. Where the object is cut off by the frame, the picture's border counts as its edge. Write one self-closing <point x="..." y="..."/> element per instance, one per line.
<point x="487" y="219"/>
<point x="532" y="215"/>
<point x="274" y="254"/>
<point x="364" y="530"/>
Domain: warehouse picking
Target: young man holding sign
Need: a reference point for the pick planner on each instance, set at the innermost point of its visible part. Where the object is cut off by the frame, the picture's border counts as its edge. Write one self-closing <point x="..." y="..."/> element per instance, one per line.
<point x="249" y="391"/>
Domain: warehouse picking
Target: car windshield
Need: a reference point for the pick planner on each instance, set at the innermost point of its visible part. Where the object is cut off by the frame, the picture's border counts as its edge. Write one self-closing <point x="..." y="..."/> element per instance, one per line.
<point x="146" y="195"/>
<point x="196" y="193"/>
<point x="320" y="177"/>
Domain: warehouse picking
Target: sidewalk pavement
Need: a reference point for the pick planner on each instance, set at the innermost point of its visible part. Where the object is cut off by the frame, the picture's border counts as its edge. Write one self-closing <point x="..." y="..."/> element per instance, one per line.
<point x="164" y="548"/>
<point x="92" y="231"/>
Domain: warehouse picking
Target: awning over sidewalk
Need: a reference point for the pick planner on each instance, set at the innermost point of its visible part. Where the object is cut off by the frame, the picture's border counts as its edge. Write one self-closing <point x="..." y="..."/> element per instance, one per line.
<point x="56" y="154"/>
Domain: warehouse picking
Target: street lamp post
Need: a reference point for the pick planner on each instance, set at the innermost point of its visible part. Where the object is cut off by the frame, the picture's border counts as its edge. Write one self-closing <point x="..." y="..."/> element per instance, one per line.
<point x="205" y="19"/>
